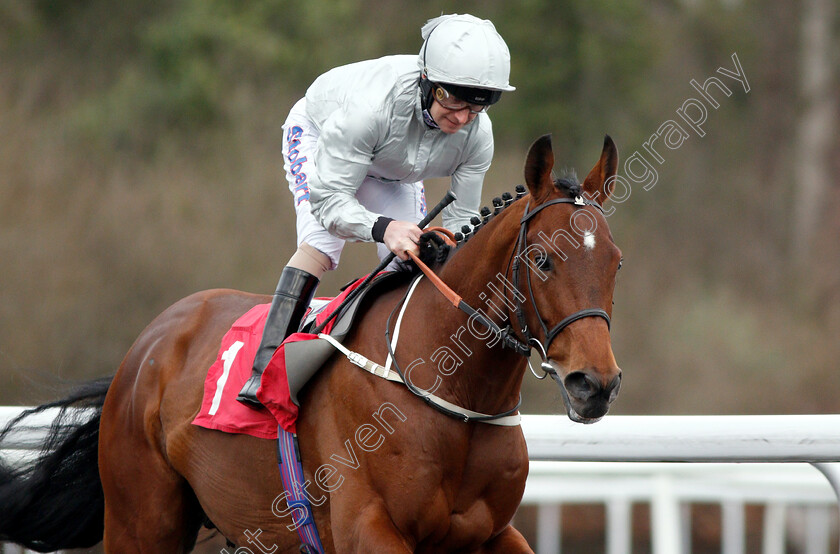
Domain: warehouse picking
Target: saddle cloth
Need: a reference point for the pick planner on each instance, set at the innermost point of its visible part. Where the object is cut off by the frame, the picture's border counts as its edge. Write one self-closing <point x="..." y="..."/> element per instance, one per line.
<point x="281" y="381"/>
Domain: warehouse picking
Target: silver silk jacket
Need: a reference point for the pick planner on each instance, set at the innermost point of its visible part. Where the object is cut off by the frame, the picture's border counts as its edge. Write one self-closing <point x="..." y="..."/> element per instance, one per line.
<point x="371" y="126"/>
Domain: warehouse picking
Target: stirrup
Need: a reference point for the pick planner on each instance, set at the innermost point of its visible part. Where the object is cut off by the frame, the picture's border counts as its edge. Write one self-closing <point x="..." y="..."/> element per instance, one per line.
<point x="248" y="394"/>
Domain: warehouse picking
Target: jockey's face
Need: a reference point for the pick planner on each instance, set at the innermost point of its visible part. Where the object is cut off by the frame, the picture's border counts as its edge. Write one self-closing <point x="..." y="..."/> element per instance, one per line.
<point x="450" y="121"/>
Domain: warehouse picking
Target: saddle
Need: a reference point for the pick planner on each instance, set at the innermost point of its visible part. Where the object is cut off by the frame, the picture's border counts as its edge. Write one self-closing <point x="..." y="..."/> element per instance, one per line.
<point x="290" y="369"/>
<point x="303" y="358"/>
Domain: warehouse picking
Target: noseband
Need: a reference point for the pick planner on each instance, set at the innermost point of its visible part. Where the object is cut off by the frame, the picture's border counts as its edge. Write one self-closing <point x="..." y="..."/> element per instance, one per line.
<point x="520" y="249"/>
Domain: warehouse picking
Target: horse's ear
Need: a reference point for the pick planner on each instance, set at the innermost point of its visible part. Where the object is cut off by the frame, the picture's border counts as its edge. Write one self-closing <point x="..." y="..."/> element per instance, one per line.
<point x="538" y="168"/>
<point x="599" y="184"/>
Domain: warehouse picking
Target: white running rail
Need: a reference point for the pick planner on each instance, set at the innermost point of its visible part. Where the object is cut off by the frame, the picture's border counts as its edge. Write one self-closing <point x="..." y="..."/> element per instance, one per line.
<point x="741" y="459"/>
<point x="629" y="459"/>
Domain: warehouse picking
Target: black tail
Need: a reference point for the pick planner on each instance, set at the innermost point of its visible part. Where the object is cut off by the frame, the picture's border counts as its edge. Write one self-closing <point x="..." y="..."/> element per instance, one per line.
<point x="56" y="502"/>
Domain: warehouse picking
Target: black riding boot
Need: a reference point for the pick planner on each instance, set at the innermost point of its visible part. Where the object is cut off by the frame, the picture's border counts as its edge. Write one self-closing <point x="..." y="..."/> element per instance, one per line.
<point x="294" y="292"/>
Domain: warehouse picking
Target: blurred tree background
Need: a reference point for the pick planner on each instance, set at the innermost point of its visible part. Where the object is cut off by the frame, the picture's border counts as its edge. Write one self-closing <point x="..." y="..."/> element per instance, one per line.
<point x="140" y="162"/>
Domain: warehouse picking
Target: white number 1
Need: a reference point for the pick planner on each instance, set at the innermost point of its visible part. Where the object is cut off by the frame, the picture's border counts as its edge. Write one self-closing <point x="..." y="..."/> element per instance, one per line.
<point x="228" y="356"/>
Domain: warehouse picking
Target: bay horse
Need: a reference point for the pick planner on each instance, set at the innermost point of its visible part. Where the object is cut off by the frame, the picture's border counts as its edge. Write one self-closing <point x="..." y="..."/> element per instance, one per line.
<point x="433" y="483"/>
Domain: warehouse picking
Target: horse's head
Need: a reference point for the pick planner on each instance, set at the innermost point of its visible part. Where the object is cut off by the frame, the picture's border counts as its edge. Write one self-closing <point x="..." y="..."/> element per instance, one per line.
<point x="567" y="263"/>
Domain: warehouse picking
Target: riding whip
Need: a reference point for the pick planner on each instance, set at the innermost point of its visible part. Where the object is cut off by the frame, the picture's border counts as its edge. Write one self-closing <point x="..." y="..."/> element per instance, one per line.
<point x="445" y="201"/>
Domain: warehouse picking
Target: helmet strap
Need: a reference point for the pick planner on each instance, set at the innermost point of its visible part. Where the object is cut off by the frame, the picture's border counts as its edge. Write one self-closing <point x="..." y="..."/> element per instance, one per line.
<point x="429" y="120"/>
<point x="427" y="91"/>
<point x="426" y="98"/>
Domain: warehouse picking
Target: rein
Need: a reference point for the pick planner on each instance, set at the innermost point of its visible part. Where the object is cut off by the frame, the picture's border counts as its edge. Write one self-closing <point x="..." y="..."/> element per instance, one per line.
<point x="508" y="339"/>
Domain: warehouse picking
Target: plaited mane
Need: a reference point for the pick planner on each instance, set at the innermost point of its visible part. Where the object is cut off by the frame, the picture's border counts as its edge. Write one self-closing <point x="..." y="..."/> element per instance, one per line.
<point x="567" y="183"/>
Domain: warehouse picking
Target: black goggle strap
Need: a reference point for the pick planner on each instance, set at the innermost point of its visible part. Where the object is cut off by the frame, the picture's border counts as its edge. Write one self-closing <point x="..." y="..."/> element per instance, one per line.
<point x="427" y="91"/>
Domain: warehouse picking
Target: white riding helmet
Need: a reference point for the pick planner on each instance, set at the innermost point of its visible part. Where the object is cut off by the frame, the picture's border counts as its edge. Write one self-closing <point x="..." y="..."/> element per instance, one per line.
<point x="467" y="52"/>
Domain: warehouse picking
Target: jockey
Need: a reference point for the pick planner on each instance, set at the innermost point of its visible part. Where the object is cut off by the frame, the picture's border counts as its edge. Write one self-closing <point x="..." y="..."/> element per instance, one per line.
<point x="358" y="145"/>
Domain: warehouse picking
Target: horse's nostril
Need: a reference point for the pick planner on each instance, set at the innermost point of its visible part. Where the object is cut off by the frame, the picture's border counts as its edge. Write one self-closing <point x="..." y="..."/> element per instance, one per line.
<point x="613" y="387"/>
<point x="582" y="386"/>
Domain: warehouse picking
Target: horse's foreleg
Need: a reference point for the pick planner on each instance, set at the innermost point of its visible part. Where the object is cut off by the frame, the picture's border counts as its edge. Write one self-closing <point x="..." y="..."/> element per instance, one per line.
<point x="509" y="540"/>
<point x="367" y="530"/>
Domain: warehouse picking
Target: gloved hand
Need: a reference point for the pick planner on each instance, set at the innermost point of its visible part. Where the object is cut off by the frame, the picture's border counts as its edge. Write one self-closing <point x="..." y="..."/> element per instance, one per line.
<point x="433" y="249"/>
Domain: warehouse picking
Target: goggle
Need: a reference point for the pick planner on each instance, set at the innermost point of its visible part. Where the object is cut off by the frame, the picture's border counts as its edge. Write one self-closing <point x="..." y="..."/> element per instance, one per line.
<point x="455" y="104"/>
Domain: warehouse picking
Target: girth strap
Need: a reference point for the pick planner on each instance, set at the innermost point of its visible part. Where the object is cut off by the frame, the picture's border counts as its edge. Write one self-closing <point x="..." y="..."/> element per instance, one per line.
<point x="291" y="473"/>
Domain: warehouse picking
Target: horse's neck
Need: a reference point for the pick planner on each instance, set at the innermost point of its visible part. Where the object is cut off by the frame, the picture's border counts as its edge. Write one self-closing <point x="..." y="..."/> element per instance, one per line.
<point x="477" y="273"/>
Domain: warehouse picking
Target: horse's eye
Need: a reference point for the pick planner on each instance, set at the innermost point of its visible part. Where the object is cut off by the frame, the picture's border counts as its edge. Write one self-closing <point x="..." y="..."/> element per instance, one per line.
<point x="620" y="262"/>
<point x="542" y="261"/>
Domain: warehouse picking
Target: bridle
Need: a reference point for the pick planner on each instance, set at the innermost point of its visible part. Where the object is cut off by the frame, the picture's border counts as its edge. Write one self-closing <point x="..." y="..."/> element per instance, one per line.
<point x="508" y="338"/>
<point x="519" y="252"/>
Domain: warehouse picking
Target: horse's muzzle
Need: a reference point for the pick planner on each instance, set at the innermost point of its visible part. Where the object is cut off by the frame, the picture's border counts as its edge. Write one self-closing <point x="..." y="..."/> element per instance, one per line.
<point x="587" y="398"/>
